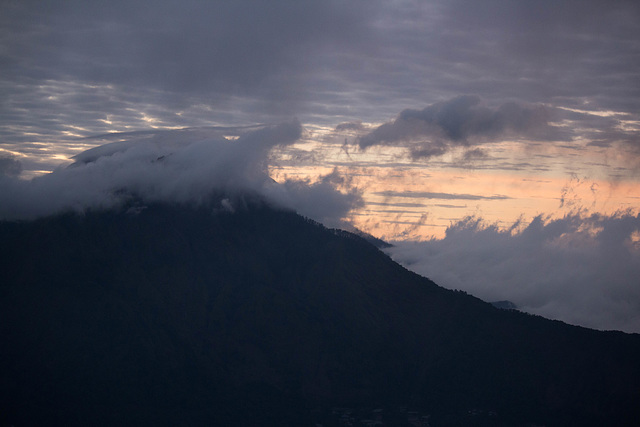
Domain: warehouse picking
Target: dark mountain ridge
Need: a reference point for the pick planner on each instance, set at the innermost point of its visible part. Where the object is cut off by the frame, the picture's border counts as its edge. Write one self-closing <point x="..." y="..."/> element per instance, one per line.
<point x="169" y="314"/>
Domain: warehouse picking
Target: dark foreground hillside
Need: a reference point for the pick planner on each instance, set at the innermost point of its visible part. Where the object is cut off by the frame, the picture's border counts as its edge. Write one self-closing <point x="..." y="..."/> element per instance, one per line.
<point x="188" y="316"/>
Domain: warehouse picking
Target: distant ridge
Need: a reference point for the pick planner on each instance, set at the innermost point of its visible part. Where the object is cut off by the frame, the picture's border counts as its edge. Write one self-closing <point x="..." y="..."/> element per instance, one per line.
<point x="176" y="315"/>
<point x="504" y="305"/>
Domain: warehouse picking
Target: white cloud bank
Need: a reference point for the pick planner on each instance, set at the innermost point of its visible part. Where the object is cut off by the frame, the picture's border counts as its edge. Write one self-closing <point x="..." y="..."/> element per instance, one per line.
<point x="175" y="166"/>
<point x="581" y="269"/>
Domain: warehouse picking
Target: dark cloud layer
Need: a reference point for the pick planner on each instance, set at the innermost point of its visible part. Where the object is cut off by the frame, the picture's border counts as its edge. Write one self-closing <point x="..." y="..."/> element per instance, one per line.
<point x="578" y="52"/>
<point x="188" y="62"/>
<point x="187" y="47"/>
<point x="582" y="269"/>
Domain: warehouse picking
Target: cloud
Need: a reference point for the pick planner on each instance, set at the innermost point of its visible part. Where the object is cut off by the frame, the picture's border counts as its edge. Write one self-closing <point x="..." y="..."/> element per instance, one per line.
<point x="184" y="166"/>
<point x="567" y="51"/>
<point x="318" y="200"/>
<point x="474" y="154"/>
<point x="462" y="121"/>
<point x="10" y="166"/>
<point x="81" y="68"/>
<point x="185" y="48"/>
<point x="350" y="126"/>
<point x="582" y="269"/>
<point x="441" y="196"/>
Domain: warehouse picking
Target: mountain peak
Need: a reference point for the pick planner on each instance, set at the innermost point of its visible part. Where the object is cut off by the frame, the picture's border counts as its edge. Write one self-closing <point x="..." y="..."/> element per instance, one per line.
<point x="171" y="313"/>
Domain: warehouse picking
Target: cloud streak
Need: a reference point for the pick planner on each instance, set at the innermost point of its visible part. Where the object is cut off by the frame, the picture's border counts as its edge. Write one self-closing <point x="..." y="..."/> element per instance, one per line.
<point x="440" y="196"/>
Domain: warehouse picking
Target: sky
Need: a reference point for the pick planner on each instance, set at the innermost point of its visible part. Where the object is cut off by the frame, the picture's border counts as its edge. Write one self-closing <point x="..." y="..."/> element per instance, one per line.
<point x="495" y="143"/>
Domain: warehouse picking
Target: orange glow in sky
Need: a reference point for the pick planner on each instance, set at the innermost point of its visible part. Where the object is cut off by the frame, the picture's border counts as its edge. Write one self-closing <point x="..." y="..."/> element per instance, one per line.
<point x="405" y="199"/>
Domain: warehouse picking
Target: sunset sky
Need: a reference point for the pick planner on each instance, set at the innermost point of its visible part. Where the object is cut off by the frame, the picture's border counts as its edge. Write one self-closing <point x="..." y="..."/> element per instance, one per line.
<point x="425" y="119"/>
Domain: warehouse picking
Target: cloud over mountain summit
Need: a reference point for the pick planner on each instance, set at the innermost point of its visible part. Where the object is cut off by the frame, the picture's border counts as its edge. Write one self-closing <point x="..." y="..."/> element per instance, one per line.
<point x="184" y="166"/>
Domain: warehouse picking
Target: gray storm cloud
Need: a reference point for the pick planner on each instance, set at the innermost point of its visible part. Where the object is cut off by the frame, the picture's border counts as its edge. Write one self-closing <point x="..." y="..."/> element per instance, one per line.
<point x="582" y="269"/>
<point x="93" y="67"/>
<point x="463" y="121"/>
<point x="244" y="48"/>
<point x="175" y="166"/>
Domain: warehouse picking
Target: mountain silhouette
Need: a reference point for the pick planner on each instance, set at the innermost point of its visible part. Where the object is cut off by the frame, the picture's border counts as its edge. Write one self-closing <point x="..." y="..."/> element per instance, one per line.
<point x="193" y="315"/>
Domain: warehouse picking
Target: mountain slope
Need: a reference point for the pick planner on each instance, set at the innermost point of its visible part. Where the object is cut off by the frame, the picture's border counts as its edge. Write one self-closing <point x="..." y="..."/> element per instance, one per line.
<point x="182" y="315"/>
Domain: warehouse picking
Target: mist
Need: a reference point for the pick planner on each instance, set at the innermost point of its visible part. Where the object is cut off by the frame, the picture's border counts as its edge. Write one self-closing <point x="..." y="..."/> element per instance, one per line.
<point x="184" y="166"/>
<point x="582" y="269"/>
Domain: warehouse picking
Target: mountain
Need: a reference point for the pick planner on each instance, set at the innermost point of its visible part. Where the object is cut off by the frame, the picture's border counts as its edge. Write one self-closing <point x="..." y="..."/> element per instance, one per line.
<point x="504" y="304"/>
<point x="193" y="315"/>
